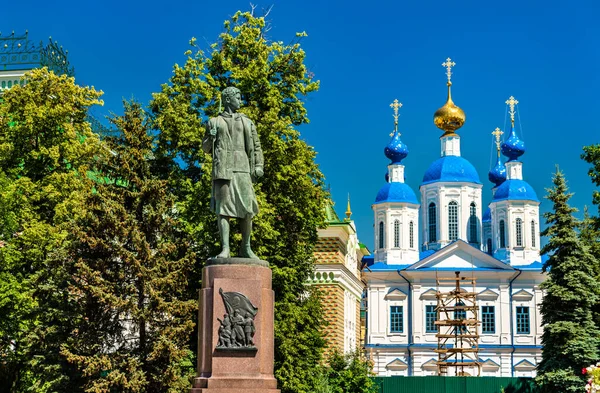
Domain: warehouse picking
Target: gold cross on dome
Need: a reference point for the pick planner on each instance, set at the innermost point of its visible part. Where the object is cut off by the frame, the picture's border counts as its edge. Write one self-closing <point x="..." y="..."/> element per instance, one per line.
<point x="395" y="106"/>
<point x="497" y="133"/>
<point x="448" y="64"/>
<point x="511" y="102"/>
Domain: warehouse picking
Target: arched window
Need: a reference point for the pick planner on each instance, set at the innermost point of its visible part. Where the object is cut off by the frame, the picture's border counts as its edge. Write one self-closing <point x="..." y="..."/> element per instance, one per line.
<point x="460" y="314"/>
<point x="411" y="235"/>
<point x="502" y="234"/>
<point x="432" y="223"/>
<point x="473" y="238"/>
<point x="381" y="231"/>
<point x="3" y="84"/>
<point x="453" y="220"/>
<point x="489" y="246"/>
<point x="519" y="232"/>
<point x="532" y="233"/>
<point x="396" y="233"/>
<point x="9" y="84"/>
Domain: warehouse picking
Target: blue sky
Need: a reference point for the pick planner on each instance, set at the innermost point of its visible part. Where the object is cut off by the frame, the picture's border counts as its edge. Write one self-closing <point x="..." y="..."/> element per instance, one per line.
<point x="545" y="53"/>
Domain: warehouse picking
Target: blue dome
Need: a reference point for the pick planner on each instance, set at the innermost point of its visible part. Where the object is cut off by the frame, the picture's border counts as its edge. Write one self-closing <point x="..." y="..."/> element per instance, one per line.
<point x="515" y="189"/>
<point x="498" y="174"/>
<point x="513" y="147"/>
<point x="487" y="215"/>
<point x="396" y="192"/>
<point x="451" y="169"/>
<point x="396" y="150"/>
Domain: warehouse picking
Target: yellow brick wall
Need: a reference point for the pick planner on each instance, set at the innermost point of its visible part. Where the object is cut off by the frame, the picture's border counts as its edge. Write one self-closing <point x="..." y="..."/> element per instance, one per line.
<point x="330" y="250"/>
<point x="332" y="297"/>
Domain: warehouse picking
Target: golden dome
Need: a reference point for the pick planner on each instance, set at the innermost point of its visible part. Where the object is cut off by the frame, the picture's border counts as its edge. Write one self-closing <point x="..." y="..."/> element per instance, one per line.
<point x="449" y="117"/>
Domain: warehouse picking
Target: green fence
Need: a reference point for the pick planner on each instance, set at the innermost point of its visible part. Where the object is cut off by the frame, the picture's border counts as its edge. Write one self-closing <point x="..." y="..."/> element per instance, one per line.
<point x="434" y="384"/>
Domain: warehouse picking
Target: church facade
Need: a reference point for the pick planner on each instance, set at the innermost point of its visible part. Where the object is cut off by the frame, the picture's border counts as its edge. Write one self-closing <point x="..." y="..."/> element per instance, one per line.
<point x="423" y="245"/>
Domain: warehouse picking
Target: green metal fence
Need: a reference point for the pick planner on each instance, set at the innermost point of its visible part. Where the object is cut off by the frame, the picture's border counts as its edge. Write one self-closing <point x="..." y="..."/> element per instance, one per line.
<point x="433" y="384"/>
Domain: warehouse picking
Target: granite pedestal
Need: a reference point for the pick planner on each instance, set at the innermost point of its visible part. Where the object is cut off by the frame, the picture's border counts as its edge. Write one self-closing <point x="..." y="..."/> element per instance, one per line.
<point x="235" y="370"/>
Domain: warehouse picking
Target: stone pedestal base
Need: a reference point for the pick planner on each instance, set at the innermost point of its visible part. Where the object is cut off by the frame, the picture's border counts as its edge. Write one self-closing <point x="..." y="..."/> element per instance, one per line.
<point x="235" y="370"/>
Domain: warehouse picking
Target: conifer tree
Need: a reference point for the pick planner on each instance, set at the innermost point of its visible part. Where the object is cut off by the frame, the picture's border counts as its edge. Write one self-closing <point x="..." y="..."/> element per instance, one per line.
<point x="128" y="265"/>
<point x="274" y="81"/>
<point x="570" y="339"/>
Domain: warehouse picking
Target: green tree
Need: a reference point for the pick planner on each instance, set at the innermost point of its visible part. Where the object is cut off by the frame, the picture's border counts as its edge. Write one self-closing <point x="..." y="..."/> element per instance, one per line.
<point x="273" y="80"/>
<point x="128" y="265"/>
<point x="570" y="336"/>
<point x="46" y="146"/>
<point x="349" y="373"/>
<point x="591" y="154"/>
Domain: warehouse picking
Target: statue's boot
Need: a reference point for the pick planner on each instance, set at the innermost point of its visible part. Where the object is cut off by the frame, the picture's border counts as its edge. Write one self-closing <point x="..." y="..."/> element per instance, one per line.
<point x="223" y="224"/>
<point x="246" y="251"/>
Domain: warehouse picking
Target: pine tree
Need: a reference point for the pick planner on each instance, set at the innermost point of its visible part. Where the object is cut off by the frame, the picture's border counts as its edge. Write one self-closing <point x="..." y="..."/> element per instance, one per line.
<point x="273" y="80"/>
<point x="570" y="340"/>
<point x="128" y="265"/>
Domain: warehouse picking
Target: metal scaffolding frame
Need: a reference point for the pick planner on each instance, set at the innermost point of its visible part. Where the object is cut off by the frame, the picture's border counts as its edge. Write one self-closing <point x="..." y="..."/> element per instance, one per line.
<point x="457" y="322"/>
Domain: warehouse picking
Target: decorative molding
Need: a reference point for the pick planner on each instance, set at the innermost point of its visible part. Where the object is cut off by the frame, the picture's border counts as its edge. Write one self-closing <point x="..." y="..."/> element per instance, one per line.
<point x="524" y="365"/>
<point x="487" y="294"/>
<point x="429" y="294"/>
<point x="395" y="294"/>
<point x="396" y="365"/>
<point x="522" y="295"/>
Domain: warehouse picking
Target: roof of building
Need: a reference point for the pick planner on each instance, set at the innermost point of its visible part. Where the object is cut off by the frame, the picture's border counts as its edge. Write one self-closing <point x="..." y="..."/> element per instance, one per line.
<point x="396" y="192"/>
<point x="515" y="189"/>
<point x="497" y="174"/>
<point x="451" y="169"/>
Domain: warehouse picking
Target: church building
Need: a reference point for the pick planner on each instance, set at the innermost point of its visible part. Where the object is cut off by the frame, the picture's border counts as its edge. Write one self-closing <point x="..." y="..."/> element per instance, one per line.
<point x="453" y="287"/>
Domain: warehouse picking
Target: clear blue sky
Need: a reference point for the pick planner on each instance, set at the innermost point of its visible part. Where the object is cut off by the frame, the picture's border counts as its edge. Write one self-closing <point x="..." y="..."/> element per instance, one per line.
<point x="366" y="54"/>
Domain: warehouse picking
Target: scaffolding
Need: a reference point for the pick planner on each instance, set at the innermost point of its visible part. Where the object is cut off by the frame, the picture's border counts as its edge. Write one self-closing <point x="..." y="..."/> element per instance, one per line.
<point x="457" y="322"/>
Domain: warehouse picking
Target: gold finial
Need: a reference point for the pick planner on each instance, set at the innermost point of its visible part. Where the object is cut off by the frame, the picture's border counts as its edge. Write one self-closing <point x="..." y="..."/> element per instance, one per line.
<point x="395" y="106"/>
<point x="511" y="102"/>
<point x="449" y="117"/>
<point x="449" y="64"/>
<point x="348" y="210"/>
<point x="497" y="133"/>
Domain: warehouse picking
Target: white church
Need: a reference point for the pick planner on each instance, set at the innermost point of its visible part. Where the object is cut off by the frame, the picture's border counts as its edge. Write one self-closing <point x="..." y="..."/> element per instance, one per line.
<point x="422" y="241"/>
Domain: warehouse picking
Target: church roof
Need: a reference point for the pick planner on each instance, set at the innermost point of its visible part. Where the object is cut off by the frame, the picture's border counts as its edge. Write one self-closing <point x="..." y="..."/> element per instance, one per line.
<point x="396" y="192"/>
<point x="451" y="169"/>
<point x="515" y="189"/>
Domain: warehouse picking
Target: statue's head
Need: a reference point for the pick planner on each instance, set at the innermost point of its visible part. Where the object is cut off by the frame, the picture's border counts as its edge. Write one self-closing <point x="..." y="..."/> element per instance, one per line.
<point x="232" y="98"/>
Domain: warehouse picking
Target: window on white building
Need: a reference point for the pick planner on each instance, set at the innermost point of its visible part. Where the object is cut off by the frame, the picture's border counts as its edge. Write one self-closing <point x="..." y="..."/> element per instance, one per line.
<point x="432" y="223"/>
<point x="519" y="232"/>
<point x="489" y="246"/>
<point x="523" y="320"/>
<point x="396" y="319"/>
<point x="460" y="314"/>
<point x="473" y="238"/>
<point x="488" y="319"/>
<point x="430" y="318"/>
<point x="411" y="235"/>
<point x="381" y="232"/>
<point x="532" y="233"/>
<point x="453" y="220"/>
<point x="502" y="234"/>
<point x="396" y="233"/>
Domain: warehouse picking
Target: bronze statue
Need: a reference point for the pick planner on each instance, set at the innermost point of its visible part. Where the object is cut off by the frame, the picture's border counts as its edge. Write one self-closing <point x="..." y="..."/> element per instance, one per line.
<point x="232" y="140"/>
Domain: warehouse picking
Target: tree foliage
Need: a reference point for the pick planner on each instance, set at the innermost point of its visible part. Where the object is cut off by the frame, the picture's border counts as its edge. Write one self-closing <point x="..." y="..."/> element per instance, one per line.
<point x="274" y="81"/>
<point x="349" y="373"/>
<point x="570" y="336"/>
<point x="128" y="261"/>
<point x="45" y="148"/>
